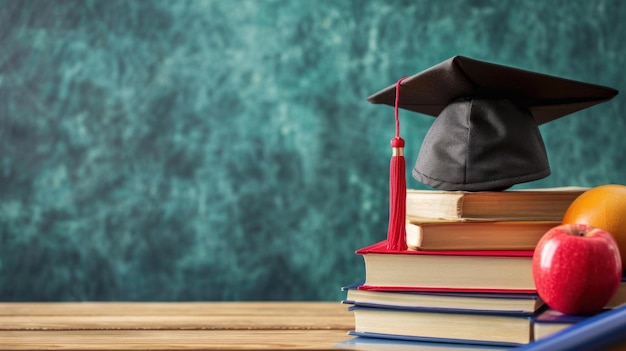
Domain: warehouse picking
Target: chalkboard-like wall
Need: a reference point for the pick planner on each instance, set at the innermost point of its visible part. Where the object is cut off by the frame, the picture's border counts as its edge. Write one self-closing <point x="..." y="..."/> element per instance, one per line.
<point x="224" y="150"/>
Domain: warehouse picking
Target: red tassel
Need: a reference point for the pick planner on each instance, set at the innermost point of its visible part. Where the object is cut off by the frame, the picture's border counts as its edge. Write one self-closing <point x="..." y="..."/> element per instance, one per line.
<point x="396" y="233"/>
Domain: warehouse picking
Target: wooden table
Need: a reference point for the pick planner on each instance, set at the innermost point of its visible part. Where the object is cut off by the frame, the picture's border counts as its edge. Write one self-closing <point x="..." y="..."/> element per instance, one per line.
<point x="174" y="326"/>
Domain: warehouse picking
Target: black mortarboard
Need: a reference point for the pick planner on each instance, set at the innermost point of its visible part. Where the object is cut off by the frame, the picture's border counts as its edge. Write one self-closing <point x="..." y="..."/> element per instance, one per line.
<point x="486" y="134"/>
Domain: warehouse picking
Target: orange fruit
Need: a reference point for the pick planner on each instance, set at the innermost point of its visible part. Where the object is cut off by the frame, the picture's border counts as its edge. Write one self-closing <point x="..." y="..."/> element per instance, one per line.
<point x="602" y="207"/>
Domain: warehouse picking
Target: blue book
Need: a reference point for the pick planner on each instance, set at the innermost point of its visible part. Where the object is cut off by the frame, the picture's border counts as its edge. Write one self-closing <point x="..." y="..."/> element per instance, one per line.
<point x="481" y="303"/>
<point x="600" y="332"/>
<point x="438" y="326"/>
<point x="377" y="344"/>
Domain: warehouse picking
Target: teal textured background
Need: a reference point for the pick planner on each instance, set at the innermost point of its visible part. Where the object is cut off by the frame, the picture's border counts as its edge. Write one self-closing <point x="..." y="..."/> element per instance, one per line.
<point x="224" y="150"/>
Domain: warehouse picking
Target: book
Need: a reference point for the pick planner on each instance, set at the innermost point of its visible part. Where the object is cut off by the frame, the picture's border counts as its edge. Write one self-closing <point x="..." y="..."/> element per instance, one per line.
<point x="425" y="234"/>
<point x="447" y="271"/>
<point x="386" y="344"/>
<point x="550" y="321"/>
<point x="488" y="329"/>
<point x="604" y="331"/>
<point x="514" y="304"/>
<point x="546" y="204"/>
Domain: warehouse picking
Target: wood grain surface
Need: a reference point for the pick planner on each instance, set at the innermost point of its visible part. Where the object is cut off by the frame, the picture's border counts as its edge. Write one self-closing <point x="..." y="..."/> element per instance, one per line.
<point x="184" y="326"/>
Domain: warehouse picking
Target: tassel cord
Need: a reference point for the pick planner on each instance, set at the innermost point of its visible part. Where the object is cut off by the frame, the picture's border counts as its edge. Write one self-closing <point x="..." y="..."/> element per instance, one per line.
<point x="396" y="232"/>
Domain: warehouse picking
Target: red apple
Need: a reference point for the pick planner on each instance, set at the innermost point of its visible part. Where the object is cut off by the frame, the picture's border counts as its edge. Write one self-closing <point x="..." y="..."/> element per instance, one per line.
<point x="577" y="268"/>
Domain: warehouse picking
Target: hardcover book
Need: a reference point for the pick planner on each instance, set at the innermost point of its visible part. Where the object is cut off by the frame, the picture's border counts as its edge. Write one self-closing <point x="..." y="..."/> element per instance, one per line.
<point x="425" y="234"/>
<point x="489" y="329"/>
<point x="387" y="344"/>
<point x="550" y="321"/>
<point x="447" y="271"/>
<point x="547" y="204"/>
<point x="513" y="304"/>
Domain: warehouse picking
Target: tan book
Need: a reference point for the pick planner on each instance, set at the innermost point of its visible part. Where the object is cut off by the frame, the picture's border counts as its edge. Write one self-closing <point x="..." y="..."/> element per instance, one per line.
<point x="547" y="204"/>
<point x="424" y="234"/>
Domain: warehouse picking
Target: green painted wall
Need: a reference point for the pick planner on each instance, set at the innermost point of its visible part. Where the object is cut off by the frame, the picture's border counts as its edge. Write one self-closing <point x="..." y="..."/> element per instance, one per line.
<point x="224" y="150"/>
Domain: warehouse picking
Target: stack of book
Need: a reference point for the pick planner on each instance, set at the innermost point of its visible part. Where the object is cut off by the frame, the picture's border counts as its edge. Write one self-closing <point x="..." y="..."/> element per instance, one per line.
<point x="467" y="275"/>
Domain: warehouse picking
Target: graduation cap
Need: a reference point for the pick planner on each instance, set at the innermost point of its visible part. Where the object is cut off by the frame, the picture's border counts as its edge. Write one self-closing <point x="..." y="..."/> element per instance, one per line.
<point x="485" y="135"/>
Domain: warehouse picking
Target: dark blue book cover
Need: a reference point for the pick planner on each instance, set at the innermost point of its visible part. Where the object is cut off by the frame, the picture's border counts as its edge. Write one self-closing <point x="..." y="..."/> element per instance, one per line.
<point x="456" y="302"/>
<point x="555" y="317"/>
<point x="438" y="326"/>
<point x="460" y="343"/>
